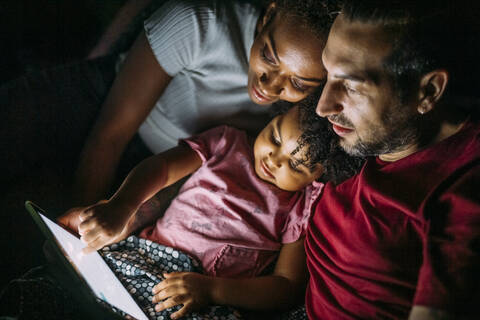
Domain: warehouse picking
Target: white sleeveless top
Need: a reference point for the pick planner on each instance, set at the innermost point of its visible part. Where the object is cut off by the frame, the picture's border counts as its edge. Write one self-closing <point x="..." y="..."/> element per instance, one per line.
<point x="205" y="47"/>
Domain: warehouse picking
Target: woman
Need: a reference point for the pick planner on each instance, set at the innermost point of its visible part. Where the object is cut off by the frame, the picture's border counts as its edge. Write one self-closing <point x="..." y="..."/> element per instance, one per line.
<point x="200" y="64"/>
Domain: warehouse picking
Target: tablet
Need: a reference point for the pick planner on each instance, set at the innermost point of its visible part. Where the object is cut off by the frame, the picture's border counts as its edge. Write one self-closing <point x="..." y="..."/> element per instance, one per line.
<point x="89" y="271"/>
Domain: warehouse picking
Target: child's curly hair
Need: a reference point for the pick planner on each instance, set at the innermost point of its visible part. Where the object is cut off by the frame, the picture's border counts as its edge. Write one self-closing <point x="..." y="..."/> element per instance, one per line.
<point x="322" y="145"/>
<point x="321" y="142"/>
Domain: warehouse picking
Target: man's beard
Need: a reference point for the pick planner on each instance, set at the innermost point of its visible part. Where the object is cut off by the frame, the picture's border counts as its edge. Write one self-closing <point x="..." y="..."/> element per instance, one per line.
<point x="393" y="135"/>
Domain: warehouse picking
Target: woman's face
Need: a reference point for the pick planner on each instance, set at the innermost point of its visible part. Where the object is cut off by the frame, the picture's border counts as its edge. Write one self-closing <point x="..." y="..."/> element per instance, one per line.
<point x="285" y="61"/>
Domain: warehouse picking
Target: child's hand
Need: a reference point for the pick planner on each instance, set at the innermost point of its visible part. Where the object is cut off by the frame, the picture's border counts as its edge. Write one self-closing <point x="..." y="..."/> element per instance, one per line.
<point x="193" y="290"/>
<point x="70" y="219"/>
<point x="102" y="224"/>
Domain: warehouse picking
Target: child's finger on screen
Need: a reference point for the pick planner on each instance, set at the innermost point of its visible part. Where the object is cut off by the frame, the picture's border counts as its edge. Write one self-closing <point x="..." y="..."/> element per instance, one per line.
<point x="85" y="214"/>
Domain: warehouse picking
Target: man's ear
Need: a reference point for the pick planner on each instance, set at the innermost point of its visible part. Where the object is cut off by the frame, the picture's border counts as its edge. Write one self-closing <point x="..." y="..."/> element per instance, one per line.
<point x="432" y="87"/>
<point x="268" y="16"/>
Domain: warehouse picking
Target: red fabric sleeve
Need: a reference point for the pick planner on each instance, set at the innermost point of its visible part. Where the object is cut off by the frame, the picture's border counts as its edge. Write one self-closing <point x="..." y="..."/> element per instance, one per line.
<point x="449" y="276"/>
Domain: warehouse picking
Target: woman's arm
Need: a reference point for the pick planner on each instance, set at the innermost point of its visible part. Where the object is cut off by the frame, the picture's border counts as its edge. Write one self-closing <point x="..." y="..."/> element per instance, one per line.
<point x="134" y="92"/>
<point x="281" y="290"/>
<point x="119" y="25"/>
<point x="106" y="222"/>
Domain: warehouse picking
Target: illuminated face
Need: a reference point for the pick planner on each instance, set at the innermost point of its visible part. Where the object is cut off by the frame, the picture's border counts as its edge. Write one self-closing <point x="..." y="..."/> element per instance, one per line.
<point x="274" y="161"/>
<point x="359" y="97"/>
<point x="285" y="62"/>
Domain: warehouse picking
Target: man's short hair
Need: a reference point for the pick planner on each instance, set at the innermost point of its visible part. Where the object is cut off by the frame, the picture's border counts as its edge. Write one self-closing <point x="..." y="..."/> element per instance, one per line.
<point x="426" y="35"/>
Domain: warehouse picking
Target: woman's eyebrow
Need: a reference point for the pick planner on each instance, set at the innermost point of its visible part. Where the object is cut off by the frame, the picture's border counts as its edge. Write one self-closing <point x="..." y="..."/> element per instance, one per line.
<point x="311" y="79"/>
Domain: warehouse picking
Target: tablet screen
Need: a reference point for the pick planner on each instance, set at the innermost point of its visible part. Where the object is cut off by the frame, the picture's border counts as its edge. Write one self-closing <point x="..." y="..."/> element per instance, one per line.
<point x="95" y="271"/>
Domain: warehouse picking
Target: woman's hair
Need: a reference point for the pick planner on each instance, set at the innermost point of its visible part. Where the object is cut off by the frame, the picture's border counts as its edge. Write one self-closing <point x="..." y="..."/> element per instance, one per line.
<point x="314" y="15"/>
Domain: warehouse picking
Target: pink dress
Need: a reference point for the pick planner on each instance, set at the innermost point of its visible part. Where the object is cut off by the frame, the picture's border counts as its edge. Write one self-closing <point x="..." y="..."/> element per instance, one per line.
<point x="233" y="222"/>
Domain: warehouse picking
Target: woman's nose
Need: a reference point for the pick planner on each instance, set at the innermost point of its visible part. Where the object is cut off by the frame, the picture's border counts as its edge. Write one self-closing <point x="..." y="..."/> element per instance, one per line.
<point x="273" y="83"/>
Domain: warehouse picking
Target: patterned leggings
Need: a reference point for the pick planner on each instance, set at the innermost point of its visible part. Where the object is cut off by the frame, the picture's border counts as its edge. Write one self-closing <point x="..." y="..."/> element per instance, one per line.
<point x="139" y="265"/>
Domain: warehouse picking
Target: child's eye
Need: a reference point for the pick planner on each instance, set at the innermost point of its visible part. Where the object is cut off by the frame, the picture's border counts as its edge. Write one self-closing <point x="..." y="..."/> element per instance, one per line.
<point x="299" y="86"/>
<point x="274" y="139"/>
<point x="294" y="166"/>
<point x="267" y="56"/>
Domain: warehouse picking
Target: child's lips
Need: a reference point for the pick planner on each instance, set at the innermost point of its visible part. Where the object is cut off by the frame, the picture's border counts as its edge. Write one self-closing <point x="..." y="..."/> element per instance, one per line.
<point x="266" y="170"/>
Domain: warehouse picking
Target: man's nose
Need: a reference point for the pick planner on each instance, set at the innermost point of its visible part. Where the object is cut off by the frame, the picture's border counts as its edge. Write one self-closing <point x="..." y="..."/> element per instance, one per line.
<point x="273" y="83"/>
<point x="329" y="102"/>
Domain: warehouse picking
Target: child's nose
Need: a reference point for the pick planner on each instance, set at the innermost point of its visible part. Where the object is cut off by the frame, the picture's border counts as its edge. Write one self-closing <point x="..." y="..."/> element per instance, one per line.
<point x="276" y="160"/>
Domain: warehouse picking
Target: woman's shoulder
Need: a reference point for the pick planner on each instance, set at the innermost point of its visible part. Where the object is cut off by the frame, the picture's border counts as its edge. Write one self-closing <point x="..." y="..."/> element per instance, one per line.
<point x="212" y="8"/>
<point x="209" y="19"/>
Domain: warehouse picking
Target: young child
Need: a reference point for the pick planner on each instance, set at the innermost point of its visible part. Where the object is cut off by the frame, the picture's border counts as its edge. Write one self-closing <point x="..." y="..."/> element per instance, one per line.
<point x="246" y="204"/>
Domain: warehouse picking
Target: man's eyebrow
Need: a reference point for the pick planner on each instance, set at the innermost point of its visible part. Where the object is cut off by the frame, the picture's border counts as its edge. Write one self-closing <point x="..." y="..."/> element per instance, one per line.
<point x="274" y="49"/>
<point x="351" y="77"/>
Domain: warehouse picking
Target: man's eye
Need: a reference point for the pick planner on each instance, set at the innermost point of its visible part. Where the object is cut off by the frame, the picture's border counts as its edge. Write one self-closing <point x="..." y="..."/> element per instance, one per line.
<point x="350" y="89"/>
<point x="294" y="166"/>
<point x="274" y="139"/>
<point x="299" y="86"/>
<point x="267" y="56"/>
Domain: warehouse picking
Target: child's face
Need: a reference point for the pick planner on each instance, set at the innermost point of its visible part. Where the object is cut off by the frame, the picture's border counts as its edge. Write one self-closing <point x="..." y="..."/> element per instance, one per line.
<point x="285" y="61"/>
<point x="274" y="161"/>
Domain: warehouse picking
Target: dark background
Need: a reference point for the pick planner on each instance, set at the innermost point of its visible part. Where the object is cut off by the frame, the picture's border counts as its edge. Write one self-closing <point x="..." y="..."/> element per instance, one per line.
<point x="36" y="34"/>
<point x="41" y="32"/>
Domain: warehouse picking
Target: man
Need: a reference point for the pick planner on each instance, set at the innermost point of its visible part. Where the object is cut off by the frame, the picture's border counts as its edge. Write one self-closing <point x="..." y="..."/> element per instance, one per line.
<point x="402" y="238"/>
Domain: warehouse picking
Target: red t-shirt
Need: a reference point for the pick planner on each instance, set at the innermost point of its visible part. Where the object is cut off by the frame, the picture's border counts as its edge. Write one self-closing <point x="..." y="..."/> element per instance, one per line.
<point x="399" y="234"/>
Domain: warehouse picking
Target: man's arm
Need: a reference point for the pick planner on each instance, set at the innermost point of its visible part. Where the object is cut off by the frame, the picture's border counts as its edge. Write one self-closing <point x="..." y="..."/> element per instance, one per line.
<point x="448" y="283"/>
<point x="428" y="313"/>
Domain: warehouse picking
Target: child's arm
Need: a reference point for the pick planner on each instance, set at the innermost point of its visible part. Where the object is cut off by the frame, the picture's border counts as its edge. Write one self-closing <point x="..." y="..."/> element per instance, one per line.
<point x="102" y="223"/>
<point x="281" y="290"/>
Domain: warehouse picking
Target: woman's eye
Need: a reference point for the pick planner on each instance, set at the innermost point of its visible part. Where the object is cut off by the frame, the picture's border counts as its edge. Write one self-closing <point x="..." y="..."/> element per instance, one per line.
<point x="294" y="166"/>
<point x="299" y="86"/>
<point x="267" y="56"/>
<point x="274" y="139"/>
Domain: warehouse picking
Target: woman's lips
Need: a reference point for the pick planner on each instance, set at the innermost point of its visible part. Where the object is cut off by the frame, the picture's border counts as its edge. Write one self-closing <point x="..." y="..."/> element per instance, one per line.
<point x="339" y="130"/>
<point x="266" y="170"/>
<point x="259" y="95"/>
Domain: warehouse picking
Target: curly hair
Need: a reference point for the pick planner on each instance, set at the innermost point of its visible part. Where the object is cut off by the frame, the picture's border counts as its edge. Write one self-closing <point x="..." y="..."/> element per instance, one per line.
<point x="320" y="143"/>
